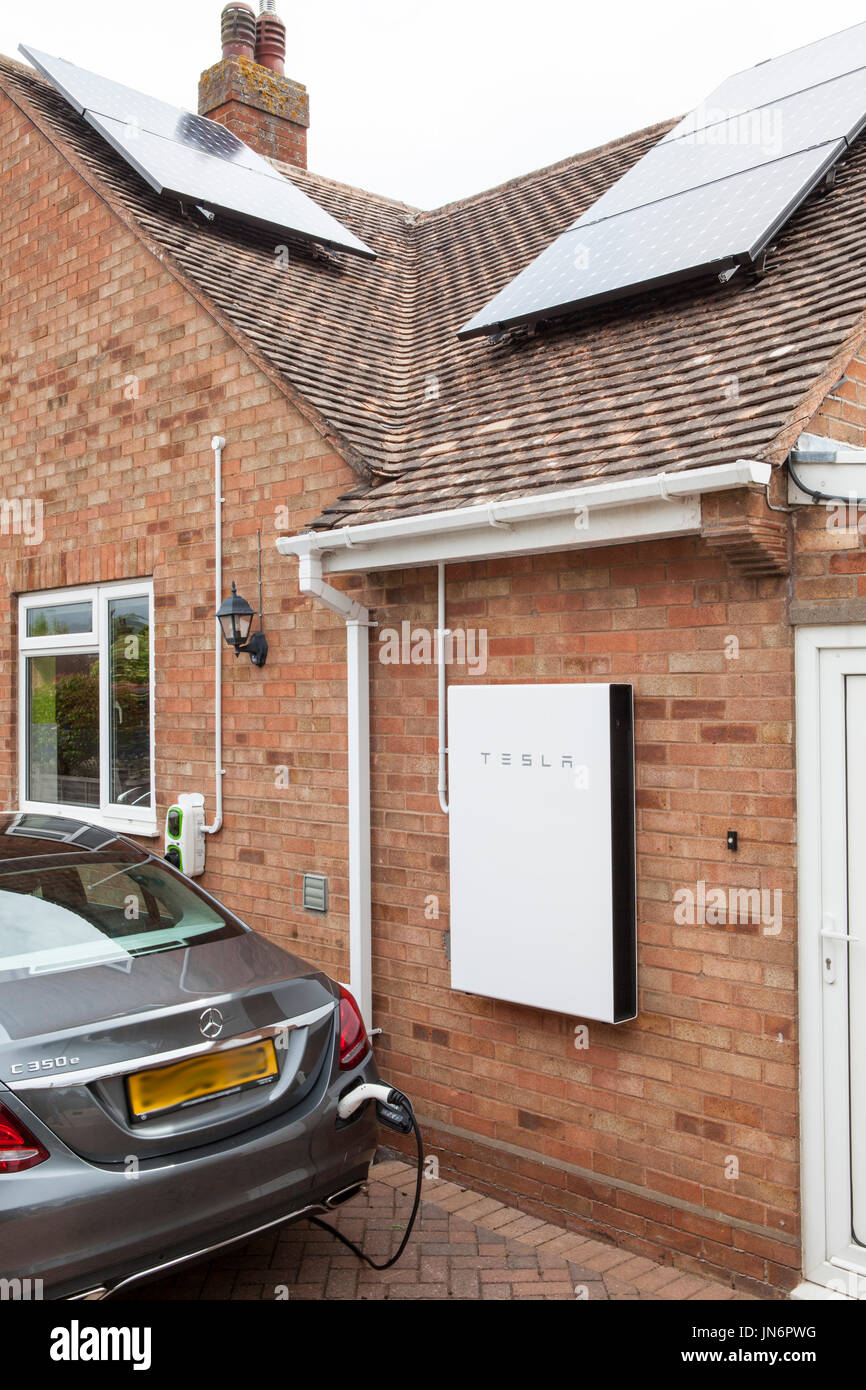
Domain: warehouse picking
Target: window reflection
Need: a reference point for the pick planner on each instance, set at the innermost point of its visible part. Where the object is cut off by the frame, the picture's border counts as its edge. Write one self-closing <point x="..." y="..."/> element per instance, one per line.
<point x="63" y="729"/>
<point x="129" y="700"/>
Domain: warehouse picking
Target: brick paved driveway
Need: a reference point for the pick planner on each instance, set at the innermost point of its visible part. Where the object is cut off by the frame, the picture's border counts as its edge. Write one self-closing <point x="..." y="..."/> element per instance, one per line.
<point x="464" y="1246"/>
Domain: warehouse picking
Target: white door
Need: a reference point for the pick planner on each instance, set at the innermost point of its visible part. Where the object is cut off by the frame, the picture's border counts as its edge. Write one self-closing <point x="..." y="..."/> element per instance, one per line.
<point x="855" y="950"/>
<point x="831" y="756"/>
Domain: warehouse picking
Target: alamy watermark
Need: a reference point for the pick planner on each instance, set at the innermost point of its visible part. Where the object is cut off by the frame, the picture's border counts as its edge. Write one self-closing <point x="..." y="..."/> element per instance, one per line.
<point x="420" y="646"/>
<point x="704" y="906"/>
<point x="846" y="516"/>
<point x="762" y="128"/>
<point x="21" y="1290"/>
<point x="22" y="516"/>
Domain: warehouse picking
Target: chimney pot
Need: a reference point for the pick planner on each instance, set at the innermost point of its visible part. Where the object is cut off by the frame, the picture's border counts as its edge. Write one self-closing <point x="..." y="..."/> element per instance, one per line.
<point x="270" y="38"/>
<point x="247" y="90"/>
<point x="238" y="27"/>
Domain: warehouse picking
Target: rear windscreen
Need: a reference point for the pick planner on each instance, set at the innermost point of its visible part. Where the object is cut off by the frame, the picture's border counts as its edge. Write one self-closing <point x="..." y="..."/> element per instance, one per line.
<point x="90" y="910"/>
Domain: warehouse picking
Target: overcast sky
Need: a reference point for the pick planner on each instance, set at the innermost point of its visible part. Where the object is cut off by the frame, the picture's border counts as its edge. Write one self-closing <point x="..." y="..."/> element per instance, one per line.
<point x="430" y="102"/>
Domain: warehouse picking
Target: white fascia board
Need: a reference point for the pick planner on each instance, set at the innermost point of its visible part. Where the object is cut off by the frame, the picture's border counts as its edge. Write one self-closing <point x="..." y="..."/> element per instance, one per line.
<point x="825" y="444"/>
<point x="836" y="468"/>
<point x="486" y="541"/>
<point x="667" y="504"/>
<point x="840" y="479"/>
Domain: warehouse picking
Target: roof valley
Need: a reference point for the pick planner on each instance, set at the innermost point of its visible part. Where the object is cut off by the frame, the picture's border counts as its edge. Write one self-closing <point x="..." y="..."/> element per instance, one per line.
<point x="672" y="379"/>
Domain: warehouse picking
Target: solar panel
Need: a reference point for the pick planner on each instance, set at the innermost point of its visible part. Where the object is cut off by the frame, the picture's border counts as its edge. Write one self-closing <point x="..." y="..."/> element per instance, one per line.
<point x="740" y="142"/>
<point x="711" y="194"/>
<point x="767" y="82"/>
<point x="716" y="226"/>
<point x="191" y="158"/>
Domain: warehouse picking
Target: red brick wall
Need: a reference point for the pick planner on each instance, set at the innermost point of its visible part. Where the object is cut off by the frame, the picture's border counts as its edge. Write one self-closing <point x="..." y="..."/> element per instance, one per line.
<point x="632" y="1136"/>
<point x="265" y="133"/>
<point x="829" y="559"/>
<point x="843" y="413"/>
<point x="269" y="112"/>
<point x="87" y="314"/>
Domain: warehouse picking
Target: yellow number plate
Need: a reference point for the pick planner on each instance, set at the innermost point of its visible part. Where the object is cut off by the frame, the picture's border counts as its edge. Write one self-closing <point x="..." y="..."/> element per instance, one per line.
<point x="184" y="1083"/>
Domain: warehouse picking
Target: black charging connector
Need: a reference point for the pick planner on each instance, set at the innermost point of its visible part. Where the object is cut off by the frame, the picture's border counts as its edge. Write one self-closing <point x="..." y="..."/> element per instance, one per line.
<point x="396" y="1112"/>
<point x="394" y="1116"/>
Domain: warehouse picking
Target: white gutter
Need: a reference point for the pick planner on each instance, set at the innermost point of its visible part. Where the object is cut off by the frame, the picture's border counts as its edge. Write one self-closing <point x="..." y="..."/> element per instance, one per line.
<point x="598" y="514"/>
<point x="218" y="444"/>
<point x="357" y="620"/>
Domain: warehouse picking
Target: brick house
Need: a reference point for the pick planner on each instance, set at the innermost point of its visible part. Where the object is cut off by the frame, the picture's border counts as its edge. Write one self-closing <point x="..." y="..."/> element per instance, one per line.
<point x="415" y="475"/>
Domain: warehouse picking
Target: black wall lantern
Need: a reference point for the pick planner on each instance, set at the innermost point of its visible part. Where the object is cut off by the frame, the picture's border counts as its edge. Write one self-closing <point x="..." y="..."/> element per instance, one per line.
<point x="236" y="619"/>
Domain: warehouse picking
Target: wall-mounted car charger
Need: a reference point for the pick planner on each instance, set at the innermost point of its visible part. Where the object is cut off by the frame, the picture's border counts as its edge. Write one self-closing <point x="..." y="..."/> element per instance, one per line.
<point x="184" y="834"/>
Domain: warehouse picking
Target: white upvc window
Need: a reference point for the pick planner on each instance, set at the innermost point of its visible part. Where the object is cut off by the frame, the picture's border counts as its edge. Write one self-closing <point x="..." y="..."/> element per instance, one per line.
<point x="85" y="701"/>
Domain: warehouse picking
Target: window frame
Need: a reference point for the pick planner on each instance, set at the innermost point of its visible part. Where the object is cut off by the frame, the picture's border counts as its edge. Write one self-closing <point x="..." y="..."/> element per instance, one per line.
<point x="139" y="820"/>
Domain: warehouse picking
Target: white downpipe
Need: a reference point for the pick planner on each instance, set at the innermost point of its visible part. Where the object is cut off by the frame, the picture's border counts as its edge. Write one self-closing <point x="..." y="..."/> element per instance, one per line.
<point x="310" y="581"/>
<point x="441" y="634"/>
<point x="357" y="620"/>
<point x="218" y="444"/>
<point x="360" y="930"/>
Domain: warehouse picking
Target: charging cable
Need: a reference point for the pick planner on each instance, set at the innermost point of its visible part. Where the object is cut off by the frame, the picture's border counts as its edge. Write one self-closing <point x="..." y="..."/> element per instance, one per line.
<point x="394" y="1110"/>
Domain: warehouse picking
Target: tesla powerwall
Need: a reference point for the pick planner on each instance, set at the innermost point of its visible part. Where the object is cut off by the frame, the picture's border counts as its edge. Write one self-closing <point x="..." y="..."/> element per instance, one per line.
<point x="541" y="796"/>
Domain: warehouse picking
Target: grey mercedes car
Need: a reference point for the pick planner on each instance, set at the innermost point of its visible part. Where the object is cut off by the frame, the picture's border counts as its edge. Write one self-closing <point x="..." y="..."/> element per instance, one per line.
<point x="169" y="1079"/>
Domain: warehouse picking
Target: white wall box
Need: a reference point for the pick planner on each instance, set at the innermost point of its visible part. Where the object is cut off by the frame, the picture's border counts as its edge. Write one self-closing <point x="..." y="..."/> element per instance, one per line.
<point x="541" y="790"/>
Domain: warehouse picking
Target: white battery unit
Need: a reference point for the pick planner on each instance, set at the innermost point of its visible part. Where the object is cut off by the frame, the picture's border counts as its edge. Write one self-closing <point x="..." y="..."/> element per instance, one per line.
<point x="541" y="794"/>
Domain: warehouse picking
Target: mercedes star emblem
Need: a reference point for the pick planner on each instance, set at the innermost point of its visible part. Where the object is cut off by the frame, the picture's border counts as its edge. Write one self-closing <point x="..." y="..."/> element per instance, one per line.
<point x="211" y="1023"/>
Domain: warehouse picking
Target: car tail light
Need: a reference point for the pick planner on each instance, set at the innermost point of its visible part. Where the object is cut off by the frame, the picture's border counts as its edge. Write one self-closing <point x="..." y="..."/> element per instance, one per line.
<point x="18" y="1148"/>
<point x="354" y="1043"/>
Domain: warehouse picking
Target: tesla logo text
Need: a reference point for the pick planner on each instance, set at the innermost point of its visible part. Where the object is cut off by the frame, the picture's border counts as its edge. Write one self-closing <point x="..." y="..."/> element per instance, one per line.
<point x="529" y="760"/>
<point x="211" y="1023"/>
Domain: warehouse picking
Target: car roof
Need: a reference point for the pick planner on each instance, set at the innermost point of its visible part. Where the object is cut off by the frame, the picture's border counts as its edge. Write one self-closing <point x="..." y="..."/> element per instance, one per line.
<point x="30" y="835"/>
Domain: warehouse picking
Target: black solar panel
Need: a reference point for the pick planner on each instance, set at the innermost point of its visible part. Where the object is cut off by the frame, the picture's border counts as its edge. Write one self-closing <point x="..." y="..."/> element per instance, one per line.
<point x="711" y="194"/>
<point x="192" y="158"/>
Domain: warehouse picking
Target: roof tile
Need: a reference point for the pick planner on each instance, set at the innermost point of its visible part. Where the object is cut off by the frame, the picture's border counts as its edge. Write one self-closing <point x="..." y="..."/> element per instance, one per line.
<point x="694" y="374"/>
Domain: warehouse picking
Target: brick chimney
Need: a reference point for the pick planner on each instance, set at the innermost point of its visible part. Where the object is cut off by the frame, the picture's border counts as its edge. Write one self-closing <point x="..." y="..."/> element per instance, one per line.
<point x="247" y="90"/>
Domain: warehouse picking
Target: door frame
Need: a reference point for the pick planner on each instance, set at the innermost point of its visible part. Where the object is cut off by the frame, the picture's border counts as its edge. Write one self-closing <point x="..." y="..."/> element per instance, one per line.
<point x="824" y="657"/>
